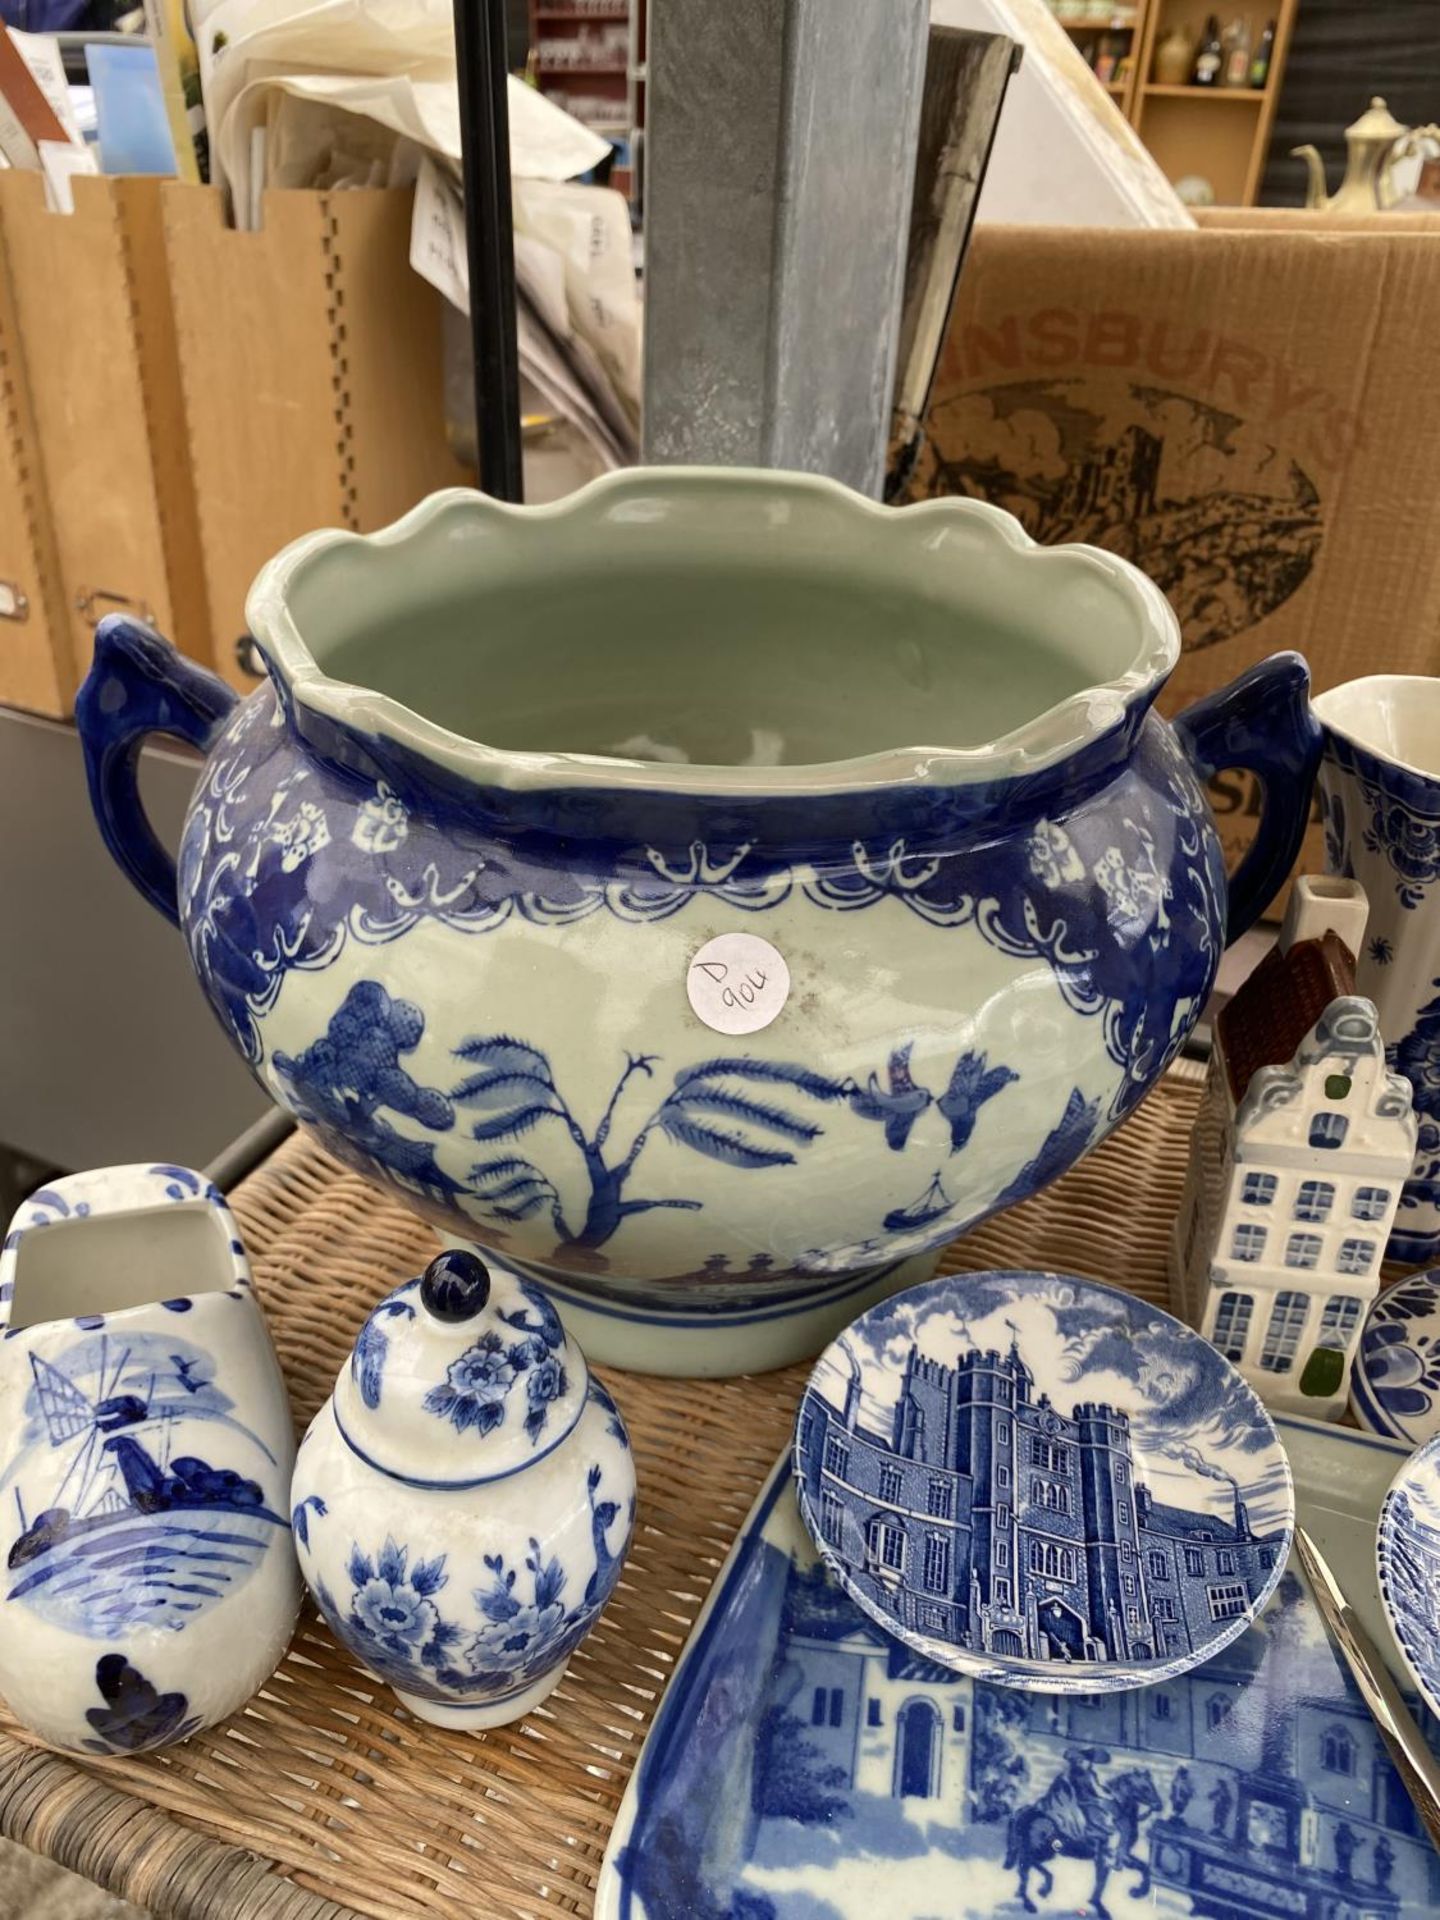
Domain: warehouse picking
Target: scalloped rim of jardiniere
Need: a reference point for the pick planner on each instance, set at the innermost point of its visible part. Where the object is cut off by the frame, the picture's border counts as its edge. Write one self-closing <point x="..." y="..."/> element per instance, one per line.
<point x="646" y="493"/>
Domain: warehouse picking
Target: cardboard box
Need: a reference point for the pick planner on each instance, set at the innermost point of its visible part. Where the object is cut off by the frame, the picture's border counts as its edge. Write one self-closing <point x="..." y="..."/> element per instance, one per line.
<point x="311" y="365"/>
<point x="93" y="305"/>
<point x="1248" y="413"/>
<point x="37" y="665"/>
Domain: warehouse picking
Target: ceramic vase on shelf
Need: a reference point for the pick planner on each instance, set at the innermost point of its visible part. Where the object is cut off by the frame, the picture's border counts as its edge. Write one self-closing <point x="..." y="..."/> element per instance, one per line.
<point x="1173" y="56"/>
<point x="710" y="893"/>
<point x="1380" y="795"/>
<point x="464" y="1500"/>
<point x="149" y="1577"/>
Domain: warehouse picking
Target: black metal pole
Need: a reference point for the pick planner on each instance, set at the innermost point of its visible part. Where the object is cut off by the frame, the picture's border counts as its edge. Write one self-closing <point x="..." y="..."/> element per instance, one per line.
<point x="489" y="241"/>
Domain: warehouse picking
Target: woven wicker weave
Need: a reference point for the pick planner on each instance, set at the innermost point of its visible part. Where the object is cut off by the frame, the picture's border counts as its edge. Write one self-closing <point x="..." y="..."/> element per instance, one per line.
<point x="323" y="1799"/>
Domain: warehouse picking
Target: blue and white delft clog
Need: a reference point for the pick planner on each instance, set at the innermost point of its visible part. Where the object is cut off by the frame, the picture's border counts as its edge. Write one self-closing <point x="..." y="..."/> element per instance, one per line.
<point x="148" y="1574"/>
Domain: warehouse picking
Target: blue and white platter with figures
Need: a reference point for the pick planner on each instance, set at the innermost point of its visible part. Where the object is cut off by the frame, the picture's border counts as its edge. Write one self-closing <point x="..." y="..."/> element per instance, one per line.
<point x="1043" y="1482"/>
<point x="1395" y="1382"/>
<point x="805" y="1765"/>
<point x="1407" y="1554"/>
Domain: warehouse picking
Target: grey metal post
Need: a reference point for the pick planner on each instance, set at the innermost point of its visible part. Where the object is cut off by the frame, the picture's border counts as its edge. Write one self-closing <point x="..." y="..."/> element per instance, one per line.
<point x="780" y="149"/>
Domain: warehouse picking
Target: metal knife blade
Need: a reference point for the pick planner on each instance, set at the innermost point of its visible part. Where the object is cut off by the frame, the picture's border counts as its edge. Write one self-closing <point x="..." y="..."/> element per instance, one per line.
<point x="1413" y="1760"/>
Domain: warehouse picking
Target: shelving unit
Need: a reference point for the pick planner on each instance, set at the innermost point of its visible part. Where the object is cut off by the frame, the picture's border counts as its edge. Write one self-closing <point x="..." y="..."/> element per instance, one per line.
<point x="1183" y="126"/>
<point x="602" y="81"/>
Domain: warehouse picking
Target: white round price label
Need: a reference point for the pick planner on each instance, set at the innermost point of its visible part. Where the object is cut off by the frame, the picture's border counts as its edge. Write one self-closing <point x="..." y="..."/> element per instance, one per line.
<point x="738" y="983"/>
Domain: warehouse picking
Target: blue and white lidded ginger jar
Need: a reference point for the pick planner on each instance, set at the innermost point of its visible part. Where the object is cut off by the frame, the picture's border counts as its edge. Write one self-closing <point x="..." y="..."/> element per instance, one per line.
<point x="464" y="1500"/>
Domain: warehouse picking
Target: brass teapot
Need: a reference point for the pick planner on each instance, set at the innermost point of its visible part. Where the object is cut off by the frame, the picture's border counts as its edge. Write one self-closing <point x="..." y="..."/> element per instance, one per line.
<point x="1370" y="146"/>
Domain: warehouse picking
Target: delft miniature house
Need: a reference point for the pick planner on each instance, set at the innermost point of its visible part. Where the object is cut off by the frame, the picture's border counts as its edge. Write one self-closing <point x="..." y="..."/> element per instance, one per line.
<point x="987" y="1505"/>
<point x="1303" y="1142"/>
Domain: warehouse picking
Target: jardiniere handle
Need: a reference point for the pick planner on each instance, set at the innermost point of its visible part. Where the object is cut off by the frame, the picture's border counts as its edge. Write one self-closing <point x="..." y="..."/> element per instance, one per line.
<point x="137" y="685"/>
<point x="1261" y="722"/>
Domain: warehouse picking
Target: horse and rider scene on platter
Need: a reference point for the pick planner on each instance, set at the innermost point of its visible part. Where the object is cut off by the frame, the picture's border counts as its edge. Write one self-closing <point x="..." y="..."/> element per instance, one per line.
<point x="813" y="1767"/>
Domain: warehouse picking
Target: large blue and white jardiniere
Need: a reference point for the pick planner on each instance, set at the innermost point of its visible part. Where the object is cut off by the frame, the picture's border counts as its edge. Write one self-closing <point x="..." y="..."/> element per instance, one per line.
<point x="448" y="879"/>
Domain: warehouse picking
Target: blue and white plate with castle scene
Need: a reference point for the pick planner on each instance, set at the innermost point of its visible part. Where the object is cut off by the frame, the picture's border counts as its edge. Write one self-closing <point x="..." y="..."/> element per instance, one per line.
<point x="1042" y="1482"/>
<point x="1407" y="1554"/>
<point x="1395" y="1382"/>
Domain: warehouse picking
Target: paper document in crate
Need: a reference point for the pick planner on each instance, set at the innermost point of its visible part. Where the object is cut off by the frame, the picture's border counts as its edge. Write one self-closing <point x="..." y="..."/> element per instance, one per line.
<point x="1242" y="413"/>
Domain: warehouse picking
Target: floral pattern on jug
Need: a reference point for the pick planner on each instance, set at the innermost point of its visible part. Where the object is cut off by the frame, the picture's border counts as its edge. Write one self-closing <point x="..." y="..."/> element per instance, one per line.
<point x="402" y="928"/>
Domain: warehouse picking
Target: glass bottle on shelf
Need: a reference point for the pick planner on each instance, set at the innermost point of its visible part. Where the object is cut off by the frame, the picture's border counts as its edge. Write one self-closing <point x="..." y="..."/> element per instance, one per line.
<point x="1174" y="58"/>
<point x="1237" y="53"/>
<point x="1262" y="56"/>
<point x="1209" y="56"/>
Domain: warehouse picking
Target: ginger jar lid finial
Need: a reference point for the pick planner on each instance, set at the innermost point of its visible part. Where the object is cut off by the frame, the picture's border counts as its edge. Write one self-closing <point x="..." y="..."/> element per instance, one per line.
<point x="460" y="1376"/>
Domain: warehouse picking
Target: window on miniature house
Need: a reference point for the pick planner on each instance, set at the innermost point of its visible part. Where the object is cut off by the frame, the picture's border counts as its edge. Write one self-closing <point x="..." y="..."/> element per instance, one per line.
<point x="937" y="1499"/>
<point x="1337" y="1086"/>
<point x="1127" y="1582"/>
<point x="1232" y="1324"/>
<point x="937" y="1562"/>
<point x="1002" y="1593"/>
<point x="1218" y="1709"/>
<point x="1340" y="1318"/>
<point x="1163" y="1607"/>
<point x="1002" y="1476"/>
<point x="1162" y="1707"/>
<point x="1127" y="1551"/>
<point x="891" y="1480"/>
<point x="1158" y="1566"/>
<point x="1303" y="1250"/>
<point x="873" y="1715"/>
<point x="1248" y="1242"/>
<point x="819" y="1706"/>
<point x="1287" y="1323"/>
<point x="1121" y="1476"/>
<point x="1228" y="1600"/>
<point x="1002" y="1553"/>
<point x="1356" y="1256"/>
<point x="957" y="1717"/>
<point x="1003" y="1431"/>
<point x="832" y="1516"/>
<point x="1337" y="1750"/>
<point x="1002" y="1518"/>
<point x="1132" y="1616"/>
<point x="1328" y="1130"/>
<point x="1267" y="1558"/>
<point x="1258" y="1189"/>
<point x="1224" y="1561"/>
<point x="1194" y="1562"/>
<point x="837" y="1706"/>
<point x="837" y="1456"/>
<point x="1370" y="1203"/>
<point x="1314" y="1199"/>
<point x="1047" y="1453"/>
<point x="1050" y="1495"/>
